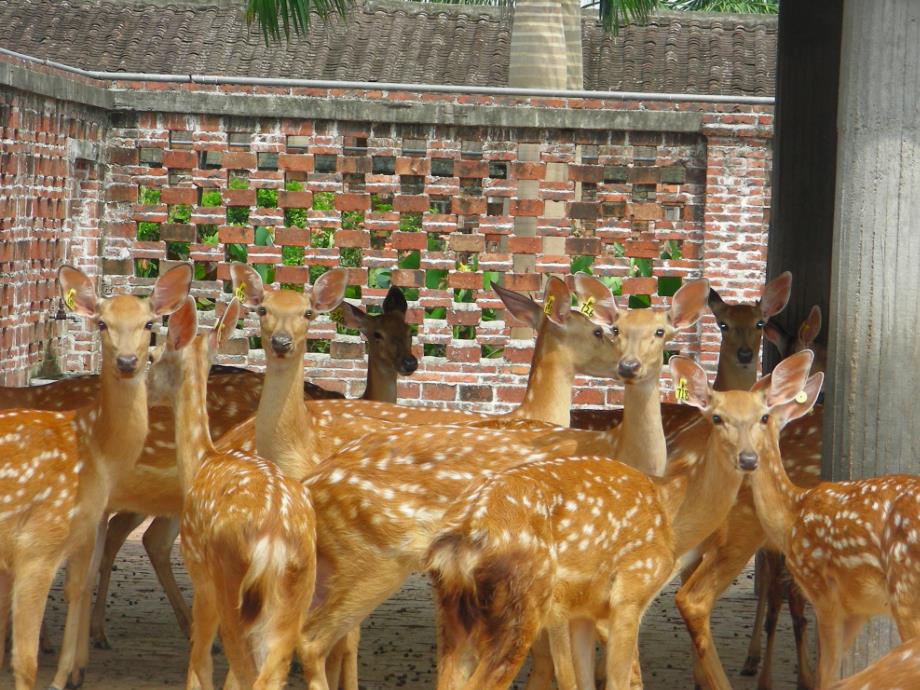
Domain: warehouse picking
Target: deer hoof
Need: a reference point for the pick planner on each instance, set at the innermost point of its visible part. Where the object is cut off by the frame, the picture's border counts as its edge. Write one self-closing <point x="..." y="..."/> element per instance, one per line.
<point x="750" y="666"/>
<point x="101" y="642"/>
<point x="76" y="679"/>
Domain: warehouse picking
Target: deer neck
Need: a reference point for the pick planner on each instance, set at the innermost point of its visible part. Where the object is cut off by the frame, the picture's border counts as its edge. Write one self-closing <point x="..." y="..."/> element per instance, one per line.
<point x="734" y="376"/>
<point x="193" y="436"/>
<point x="640" y="436"/>
<point x="381" y="381"/>
<point x="283" y="425"/>
<point x="698" y="492"/>
<point x="549" y="387"/>
<point x="117" y="424"/>
<point x="776" y="498"/>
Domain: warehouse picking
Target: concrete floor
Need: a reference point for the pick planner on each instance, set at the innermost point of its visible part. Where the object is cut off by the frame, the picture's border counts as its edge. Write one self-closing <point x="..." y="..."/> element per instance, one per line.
<point x="397" y="648"/>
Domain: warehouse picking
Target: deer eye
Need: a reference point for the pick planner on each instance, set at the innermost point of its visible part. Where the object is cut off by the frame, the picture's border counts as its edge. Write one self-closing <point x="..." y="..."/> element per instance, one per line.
<point x="102" y="326"/>
<point x="659" y="333"/>
<point x="723" y="326"/>
<point x="760" y="324"/>
<point x="149" y="325"/>
<point x="615" y="330"/>
<point x="309" y="314"/>
<point x="765" y="419"/>
<point x="598" y="333"/>
<point x="716" y="419"/>
<point x="261" y="311"/>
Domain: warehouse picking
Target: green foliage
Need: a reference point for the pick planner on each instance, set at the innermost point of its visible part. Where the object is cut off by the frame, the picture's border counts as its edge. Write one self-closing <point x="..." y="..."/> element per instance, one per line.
<point x="671" y="250"/>
<point x="148" y="196"/>
<point x="238" y="183"/>
<point x="148" y="232"/>
<point x="235" y="252"/>
<point x="177" y="251"/>
<point x="267" y="198"/>
<point x="316" y="270"/>
<point x="433" y="350"/>
<point x="211" y="198"/>
<point x="378" y="206"/>
<point x="350" y="257"/>
<point x="581" y="264"/>
<point x="735" y="6"/>
<point x="292" y="255"/>
<point x="668" y="285"/>
<point x="180" y="213"/>
<point x="352" y="220"/>
<point x="237" y="215"/>
<point x="410" y="222"/>
<point x="295" y="217"/>
<point x="324" y="201"/>
<point x="207" y="234"/>
<point x="491" y="351"/>
<point x="263" y="237"/>
<point x="293" y="186"/>
<point x="322" y="237"/>
<point x="146" y="268"/>
<point x="379" y="278"/>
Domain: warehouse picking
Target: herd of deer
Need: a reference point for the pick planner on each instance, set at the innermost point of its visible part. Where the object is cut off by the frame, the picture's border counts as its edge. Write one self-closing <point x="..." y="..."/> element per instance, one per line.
<point x="305" y="515"/>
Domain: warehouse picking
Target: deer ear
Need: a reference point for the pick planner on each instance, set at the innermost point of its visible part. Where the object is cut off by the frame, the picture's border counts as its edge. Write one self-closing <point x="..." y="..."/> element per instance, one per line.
<point x="171" y="289"/>
<point x="716" y="305"/>
<point x="802" y="403"/>
<point x="183" y="325"/>
<point x="689" y="303"/>
<point x="691" y="385"/>
<point x="811" y="327"/>
<point x="354" y="317"/>
<point x="78" y="291"/>
<point x="776" y="335"/>
<point x="329" y="289"/>
<point x="557" y="301"/>
<point x="247" y="284"/>
<point x="521" y="307"/>
<point x="775" y="295"/>
<point x="225" y="325"/>
<point x="595" y="299"/>
<point x="789" y="377"/>
<point x="395" y="301"/>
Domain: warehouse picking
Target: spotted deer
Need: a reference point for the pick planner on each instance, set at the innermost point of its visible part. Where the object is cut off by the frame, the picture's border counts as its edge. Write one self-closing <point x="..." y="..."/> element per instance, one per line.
<point x="563" y="543"/>
<point x="60" y="466"/>
<point x="852" y="547"/>
<point x="233" y="396"/>
<point x="897" y="670"/>
<point x="247" y="530"/>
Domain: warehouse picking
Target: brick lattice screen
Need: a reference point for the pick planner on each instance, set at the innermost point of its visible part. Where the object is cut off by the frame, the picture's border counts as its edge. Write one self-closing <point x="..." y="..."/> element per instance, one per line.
<point x="436" y="209"/>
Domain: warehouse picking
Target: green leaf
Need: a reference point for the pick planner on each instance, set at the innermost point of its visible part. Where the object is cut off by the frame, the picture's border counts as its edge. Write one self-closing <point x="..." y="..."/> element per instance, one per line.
<point x="211" y="198"/>
<point x="267" y="198"/>
<point x="582" y="263"/>
<point x="411" y="260"/>
<point x="264" y="237"/>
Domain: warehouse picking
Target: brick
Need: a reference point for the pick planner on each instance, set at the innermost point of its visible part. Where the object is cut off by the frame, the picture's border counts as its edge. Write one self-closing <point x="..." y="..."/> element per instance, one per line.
<point x="239" y="197"/>
<point x="510" y="394"/>
<point x="640" y="286"/>
<point x="589" y="396"/>
<point x="525" y="245"/>
<point x="118" y="267"/>
<point x="673" y="174"/>
<point x="526" y="207"/>
<point x="527" y="171"/>
<point x="121" y="192"/>
<point x="298" y="275"/>
<point x="468" y="280"/>
<point x="460" y="242"/>
<point x="408" y="278"/>
<point x="178" y="232"/>
<point x="411" y="203"/>
<point x="613" y="209"/>
<point x="583" y="246"/>
<point x="353" y="202"/>
<point x="646" y="211"/>
<point x="463" y="354"/>
<point x="642" y="249"/>
<point x="438" y="391"/>
<point x="522" y="282"/>
<point x="353" y="238"/>
<point x="644" y="175"/>
<point x="179" y="195"/>
<point x="413" y="166"/>
<point x="468" y="206"/>
<point x="295" y="162"/>
<point x="466" y="168"/>
<point x="475" y="393"/>
<point x="346" y="350"/>
<point x="180" y="160"/>
<point x="354" y="164"/>
<point x="123" y="156"/>
<point x="295" y="199"/>
<point x="408" y="241"/>
<point x="234" y="234"/>
<point x="586" y="173"/>
<point x="464" y="317"/>
<point x="238" y="160"/>
<point x="584" y="210"/>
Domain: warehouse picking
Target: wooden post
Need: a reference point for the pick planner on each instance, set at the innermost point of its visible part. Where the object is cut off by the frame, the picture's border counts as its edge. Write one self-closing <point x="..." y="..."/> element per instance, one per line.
<point x="873" y="407"/>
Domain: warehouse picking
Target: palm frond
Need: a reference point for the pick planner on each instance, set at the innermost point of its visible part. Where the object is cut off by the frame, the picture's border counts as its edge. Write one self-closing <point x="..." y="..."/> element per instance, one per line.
<point x="277" y="17"/>
<point x="736" y="6"/>
<point x="613" y="13"/>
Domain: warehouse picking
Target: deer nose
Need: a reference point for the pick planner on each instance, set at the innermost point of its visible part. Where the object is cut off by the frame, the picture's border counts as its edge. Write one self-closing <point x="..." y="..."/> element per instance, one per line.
<point x="628" y="368"/>
<point x="747" y="460"/>
<point x="409" y="364"/>
<point x="282" y="343"/>
<point x="745" y="355"/>
<point x="127" y="364"/>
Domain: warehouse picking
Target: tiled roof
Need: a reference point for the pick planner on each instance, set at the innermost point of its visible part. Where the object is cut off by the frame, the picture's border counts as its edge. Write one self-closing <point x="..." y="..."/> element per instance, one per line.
<point x="387" y="41"/>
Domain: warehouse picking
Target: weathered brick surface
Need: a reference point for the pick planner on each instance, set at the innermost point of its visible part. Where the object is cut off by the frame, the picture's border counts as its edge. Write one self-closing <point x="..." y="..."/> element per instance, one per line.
<point x="297" y="197"/>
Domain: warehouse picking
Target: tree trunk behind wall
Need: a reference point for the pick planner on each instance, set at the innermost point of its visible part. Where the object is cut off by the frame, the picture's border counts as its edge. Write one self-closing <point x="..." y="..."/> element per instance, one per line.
<point x="872" y="413"/>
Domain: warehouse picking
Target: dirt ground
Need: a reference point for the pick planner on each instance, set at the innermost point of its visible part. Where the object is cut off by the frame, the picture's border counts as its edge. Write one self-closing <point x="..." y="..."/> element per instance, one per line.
<point x="397" y="647"/>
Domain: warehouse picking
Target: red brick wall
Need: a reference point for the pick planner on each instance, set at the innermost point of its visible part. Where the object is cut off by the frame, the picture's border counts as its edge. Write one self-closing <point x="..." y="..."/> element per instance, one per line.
<point x="49" y="213"/>
<point x="431" y="208"/>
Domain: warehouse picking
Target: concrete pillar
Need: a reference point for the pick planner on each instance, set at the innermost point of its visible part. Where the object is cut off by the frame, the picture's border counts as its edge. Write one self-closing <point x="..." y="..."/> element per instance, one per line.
<point x="873" y="414"/>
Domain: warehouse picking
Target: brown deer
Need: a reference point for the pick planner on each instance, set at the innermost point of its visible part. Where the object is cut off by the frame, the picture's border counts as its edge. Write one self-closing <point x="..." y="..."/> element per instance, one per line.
<point x="60" y="467"/>
<point x="852" y="547"/>
<point x="233" y="397"/>
<point x="564" y="543"/>
<point x="897" y="670"/>
<point x="247" y="530"/>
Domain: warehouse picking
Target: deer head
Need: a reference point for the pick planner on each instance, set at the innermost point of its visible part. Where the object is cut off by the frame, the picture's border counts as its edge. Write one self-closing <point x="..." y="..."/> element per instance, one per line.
<point x="389" y="337"/>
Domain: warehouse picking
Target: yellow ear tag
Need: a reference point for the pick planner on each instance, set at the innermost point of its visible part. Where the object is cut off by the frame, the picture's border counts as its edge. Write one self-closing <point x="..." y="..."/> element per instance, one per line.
<point x="682" y="392"/>
<point x="588" y="307"/>
<point x="801" y="397"/>
<point x="548" y="306"/>
<point x="240" y="292"/>
<point x="70" y="298"/>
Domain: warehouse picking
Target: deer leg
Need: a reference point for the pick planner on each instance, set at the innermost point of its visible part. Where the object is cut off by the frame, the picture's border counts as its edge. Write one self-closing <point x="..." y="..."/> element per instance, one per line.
<point x="30" y="594"/>
<point x="501" y="659"/>
<point x="158" y="541"/>
<point x="560" y="646"/>
<point x="204" y="629"/>
<point x="756" y="643"/>
<point x="830" y="642"/>
<point x="625" y="616"/>
<point x="6" y="593"/>
<point x="775" y="590"/>
<point x="350" y="659"/>
<point x="117" y="531"/>
<point x="541" y="666"/>
<point x="582" y="631"/>
<point x="454" y="653"/>
<point x="806" y="678"/>
<point x="235" y="643"/>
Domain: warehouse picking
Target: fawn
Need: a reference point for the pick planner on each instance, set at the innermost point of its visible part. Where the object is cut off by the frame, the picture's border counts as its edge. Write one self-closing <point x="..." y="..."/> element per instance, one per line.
<point x="61" y="466"/>
<point x="247" y="531"/>
<point x="564" y="542"/>
<point x="897" y="670"/>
